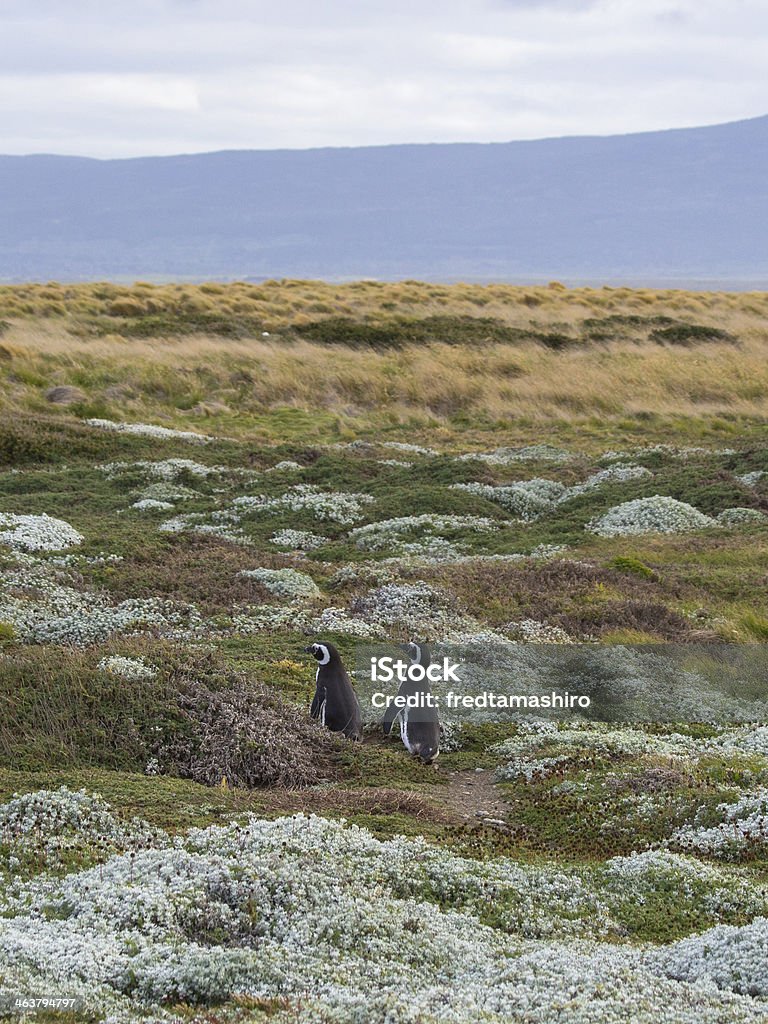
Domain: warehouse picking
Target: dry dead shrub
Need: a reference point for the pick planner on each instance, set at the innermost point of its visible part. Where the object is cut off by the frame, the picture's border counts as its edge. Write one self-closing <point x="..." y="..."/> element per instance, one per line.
<point x="241" y="731"/>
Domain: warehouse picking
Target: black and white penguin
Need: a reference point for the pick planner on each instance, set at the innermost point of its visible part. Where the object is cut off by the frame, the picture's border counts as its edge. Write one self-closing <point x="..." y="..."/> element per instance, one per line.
<point x="419" y="726"/>
<point x="335" y="702"/>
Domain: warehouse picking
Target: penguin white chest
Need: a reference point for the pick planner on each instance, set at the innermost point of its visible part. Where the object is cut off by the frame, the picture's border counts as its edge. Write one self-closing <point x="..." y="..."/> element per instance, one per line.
<point x="325" y="700"/>
<point x="404" y="730"/>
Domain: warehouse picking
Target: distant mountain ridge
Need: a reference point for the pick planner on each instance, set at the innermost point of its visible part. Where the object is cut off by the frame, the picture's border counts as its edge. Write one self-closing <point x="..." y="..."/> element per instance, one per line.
<point x="684" y="204"/>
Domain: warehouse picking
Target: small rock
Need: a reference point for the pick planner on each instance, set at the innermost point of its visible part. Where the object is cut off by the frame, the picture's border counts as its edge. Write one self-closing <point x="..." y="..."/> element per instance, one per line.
<point x="65" y="394"/>
<point x="211" y="409"/>
<point x="118" y="391"/>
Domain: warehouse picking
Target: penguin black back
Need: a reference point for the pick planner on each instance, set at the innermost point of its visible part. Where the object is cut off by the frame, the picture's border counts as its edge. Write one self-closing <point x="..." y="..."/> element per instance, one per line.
<point x="335" y="703"/>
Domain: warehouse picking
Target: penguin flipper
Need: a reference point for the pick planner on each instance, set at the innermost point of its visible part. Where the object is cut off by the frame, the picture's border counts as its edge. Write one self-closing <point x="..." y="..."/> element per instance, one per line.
<point x="317" y="703"/>
<point x="389" y="719"/>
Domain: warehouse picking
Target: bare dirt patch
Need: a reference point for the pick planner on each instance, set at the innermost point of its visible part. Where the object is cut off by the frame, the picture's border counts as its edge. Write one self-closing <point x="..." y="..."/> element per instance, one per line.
<point x="474" y="797"/>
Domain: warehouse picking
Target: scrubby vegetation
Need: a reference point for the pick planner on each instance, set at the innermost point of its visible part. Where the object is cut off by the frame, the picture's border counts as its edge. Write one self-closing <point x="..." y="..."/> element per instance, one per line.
<point x="195" y="480"/>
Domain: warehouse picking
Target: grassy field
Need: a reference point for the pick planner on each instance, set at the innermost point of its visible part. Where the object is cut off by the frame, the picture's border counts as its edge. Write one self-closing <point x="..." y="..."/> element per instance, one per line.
<point x="365" y="357"/>
<point x="234" y="469"/>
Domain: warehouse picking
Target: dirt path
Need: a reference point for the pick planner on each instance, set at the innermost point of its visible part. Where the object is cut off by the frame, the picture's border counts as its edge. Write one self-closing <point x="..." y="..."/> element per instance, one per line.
<point x="473" y="796"/>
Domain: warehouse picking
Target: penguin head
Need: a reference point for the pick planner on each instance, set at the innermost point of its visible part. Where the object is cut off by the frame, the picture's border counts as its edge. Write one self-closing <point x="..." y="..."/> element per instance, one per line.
<point x="321" y="652"/>
<point x="419" y="654"/>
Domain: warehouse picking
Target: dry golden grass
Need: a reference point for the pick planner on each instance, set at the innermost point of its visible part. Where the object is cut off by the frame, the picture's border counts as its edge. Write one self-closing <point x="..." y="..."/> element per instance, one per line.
<point x="279" y="303"/>
<point x="194" y="375"/>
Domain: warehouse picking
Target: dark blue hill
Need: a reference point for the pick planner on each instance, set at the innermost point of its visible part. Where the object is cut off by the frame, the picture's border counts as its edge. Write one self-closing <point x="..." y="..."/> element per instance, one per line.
<point x="688" y="204"/>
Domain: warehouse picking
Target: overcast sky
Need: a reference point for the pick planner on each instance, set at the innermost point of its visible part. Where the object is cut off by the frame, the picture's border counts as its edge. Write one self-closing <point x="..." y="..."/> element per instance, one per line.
<point x="169" y="76"/>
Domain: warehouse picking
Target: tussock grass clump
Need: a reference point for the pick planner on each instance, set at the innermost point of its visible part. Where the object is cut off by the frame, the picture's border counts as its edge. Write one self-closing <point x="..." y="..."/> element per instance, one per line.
<point x="278" y="301"/>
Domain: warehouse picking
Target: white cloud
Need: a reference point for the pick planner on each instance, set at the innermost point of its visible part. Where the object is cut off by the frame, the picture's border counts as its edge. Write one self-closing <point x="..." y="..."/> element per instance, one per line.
<point x="162" y="76"/>
<point x="77" y="91"/>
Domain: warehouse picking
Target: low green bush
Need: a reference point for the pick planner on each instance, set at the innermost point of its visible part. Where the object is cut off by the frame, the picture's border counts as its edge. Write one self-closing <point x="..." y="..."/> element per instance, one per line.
<point x="690" y="334"/>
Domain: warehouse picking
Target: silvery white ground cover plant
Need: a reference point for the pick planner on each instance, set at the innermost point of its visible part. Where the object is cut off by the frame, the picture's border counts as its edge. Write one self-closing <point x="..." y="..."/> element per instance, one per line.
<point x="510" y="456"/>
<point x="658" y="514"/>
<point x="37" y="533"/>
<point x="165" y="490"/>
<point x="336" y="506"/>
<point x="150" y="430"/>
<point x="252" y="909"/>
<point x="39" y="601"/>
<point x="739" y="516"/>
<point x="743" y="830"/>
<point x="750" y="479"/>
<point x="132" y="669"/>
<point x="287" y="583"/>
<point x="389" y="534"/>
<point x="151" y="505"/>
<point x="298" y="540"/>
<point x="682" y="452"/>
<point x="528" y="500"/>
<point x="162" y="469"/>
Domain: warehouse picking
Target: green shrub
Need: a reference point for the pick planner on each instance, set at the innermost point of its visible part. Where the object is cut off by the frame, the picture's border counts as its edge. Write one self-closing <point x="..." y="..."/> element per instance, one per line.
<point x="756" y="626"/>
<point x="690" y="334"/>
<point x="27" y="440"/>
<point x="400" y="331"/>
<point x="557" y="342"/>
<point x="342" y="331"/>
<point x="626" y="320"/>
<point x="7" y="635"/>
<point x="19" y="446"/>
<point x="628" y="563"/>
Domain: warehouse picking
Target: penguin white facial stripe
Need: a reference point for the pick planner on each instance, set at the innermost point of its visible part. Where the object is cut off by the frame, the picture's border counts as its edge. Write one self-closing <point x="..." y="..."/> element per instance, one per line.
<point x="415" y="652"/>
<point x="326" y="654"/>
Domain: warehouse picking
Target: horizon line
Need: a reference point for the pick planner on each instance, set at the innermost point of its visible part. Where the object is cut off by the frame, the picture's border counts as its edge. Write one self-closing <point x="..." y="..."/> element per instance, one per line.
<point x="383" y="145"/>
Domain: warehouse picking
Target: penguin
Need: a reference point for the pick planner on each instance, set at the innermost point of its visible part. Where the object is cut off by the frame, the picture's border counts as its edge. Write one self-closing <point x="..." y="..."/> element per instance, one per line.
<point x="419" y="726"/>
<point x="335" y="703"/>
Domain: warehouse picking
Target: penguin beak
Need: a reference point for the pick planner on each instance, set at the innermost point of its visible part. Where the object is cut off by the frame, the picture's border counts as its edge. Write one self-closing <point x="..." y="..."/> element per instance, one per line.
<point x="308" y="650"/>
